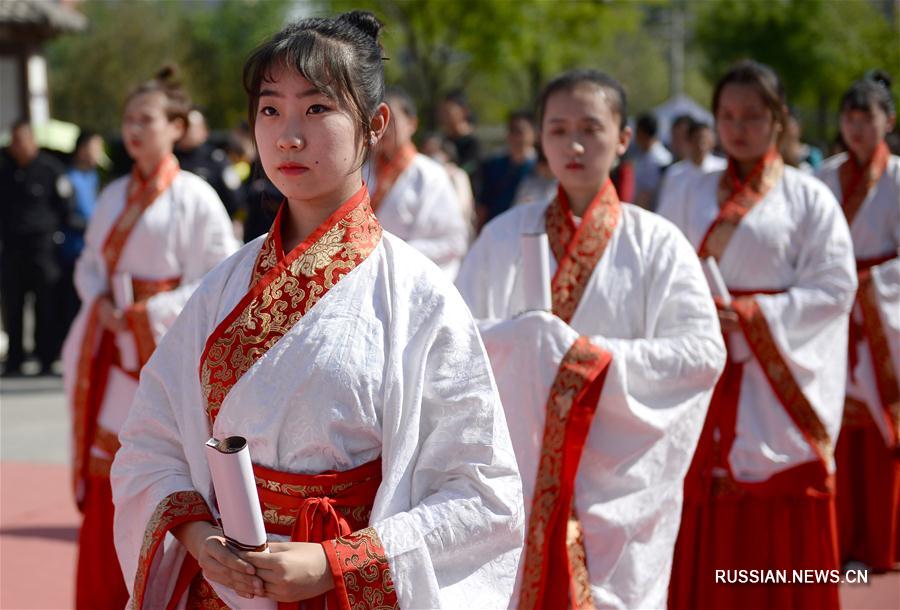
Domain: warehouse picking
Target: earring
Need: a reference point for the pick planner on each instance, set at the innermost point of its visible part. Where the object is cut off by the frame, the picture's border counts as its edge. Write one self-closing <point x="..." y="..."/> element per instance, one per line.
<point x="372" y="139"/>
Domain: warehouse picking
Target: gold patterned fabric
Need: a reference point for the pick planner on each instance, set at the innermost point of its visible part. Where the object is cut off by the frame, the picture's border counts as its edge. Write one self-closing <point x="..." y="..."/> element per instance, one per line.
<point x="175" y="509"/>
<point x="555" y="568"/>
<point x="284" y="287"/>
<point x="736" y="198"/>
<point x="578" y="249"/>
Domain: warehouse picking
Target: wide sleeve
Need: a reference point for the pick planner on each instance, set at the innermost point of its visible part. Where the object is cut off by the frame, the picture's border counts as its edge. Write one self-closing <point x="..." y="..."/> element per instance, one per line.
<point x="805" y="327"/>
<point x="204" y="238"/>
<point x="487" y="275"/>
<point x="440" y="231"/>
<point x="152" y="476"/>
<point x="676" y="363"/>
<point x="446" y="529"/>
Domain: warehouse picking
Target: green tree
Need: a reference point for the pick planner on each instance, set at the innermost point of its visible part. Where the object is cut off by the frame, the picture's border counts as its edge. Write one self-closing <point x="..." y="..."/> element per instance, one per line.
<point x="127" y="42"/>
<point x="501" y="51"/>
<point x="91" y="72"/>
<point x="219" y="40"/>
<point x="817" y="46"/>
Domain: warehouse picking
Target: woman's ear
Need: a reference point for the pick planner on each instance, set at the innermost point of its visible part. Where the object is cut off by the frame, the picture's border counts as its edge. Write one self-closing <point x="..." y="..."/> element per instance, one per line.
<point x="380" y="120"/>
<point x="624" y="141"/>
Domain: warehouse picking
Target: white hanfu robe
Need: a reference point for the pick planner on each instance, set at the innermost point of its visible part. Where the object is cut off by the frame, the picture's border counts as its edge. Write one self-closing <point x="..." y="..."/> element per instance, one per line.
<point x="678" y="179"/>
<point x="876" y="234"/>
<point x="647" y="303"/>
<point x="181" y="235"/>
<point x="423" y="209"/>
<point x="387" y="363"/>
<point x="793" y="242"/>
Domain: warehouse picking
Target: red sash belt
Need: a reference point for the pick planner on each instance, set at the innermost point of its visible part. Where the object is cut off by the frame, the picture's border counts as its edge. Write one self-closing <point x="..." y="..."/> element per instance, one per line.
<point x="316" y="508"/>
<point x="308" y="508"/>
<point x="144" y="289"/>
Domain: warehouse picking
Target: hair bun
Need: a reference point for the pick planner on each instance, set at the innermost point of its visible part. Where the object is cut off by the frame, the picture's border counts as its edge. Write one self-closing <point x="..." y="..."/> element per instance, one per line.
<point x="879" y="76"/>
<point x="168" y="75"/>
<point x="364" y="21"/>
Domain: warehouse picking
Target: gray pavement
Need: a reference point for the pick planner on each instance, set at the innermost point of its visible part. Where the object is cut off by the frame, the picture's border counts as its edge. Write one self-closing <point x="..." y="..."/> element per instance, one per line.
<point x="34" y="420"/>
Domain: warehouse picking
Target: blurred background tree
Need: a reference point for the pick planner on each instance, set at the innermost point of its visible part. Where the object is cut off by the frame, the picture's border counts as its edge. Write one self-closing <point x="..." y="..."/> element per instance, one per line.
<point x="499" y="51"/>
<point x="127" y="42"/>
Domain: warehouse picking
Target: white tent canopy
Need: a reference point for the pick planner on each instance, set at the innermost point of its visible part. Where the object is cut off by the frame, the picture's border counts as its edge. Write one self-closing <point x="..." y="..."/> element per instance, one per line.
<point x="674" y="107"/>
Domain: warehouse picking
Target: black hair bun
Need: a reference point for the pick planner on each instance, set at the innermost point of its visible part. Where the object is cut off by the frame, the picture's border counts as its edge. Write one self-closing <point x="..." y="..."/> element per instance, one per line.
<point x="881" y="77"/>
<point x="167" y="75"/>
<point x="364" y="21"/>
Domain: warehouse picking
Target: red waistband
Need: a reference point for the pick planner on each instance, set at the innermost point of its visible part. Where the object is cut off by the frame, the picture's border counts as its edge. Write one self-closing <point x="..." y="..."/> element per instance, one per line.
<point x="144" y="289"/>
<point x="315" y="508"/>
<point x="867" y="263"/>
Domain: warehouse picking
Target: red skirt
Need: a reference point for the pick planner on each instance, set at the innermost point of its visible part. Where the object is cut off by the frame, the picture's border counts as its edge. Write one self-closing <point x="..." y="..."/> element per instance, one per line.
<point x="868" y="496"/>
<point x="99" y="584"/>
<point x="785" y="523"/>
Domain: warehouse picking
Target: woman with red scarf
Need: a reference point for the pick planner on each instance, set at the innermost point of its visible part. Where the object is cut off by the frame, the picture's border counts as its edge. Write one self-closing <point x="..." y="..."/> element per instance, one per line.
<point x="866" y="180"/>
<point x="155" y="233"/>
<point x="759" y="496"/>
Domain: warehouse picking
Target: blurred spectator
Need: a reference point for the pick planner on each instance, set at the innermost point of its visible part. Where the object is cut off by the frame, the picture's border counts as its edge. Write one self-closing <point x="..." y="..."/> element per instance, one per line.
<point x="442" y="151"/>
<point x="794" y="151"/>
<point x="35" y="200"/>
<point x="500" y="175"/>
<point x="197" y="155"/>
<point x="85" y="179"/>
<point x="412" y="195"/>
<point x="679" y="176"/>
<point x="650" y="158"/>
<point x="539" y="186"/>
<point x="456" y="121"/>
<point x="680" y="140"/>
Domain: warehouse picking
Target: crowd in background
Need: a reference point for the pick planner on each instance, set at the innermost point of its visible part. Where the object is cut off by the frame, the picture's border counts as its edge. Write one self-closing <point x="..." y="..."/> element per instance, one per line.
<point x="47" y="196"/>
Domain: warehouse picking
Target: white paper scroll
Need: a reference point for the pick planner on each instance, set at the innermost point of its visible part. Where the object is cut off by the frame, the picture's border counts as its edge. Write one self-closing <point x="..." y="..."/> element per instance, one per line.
<point x="536" y="271"/>
<point x="238" y="501"/>
<point x="123" y="298"/>
<point x="738" y="349"/>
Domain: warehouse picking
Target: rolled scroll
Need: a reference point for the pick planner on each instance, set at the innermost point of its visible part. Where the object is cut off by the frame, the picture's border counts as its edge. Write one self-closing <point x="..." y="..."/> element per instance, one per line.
<point x="536" y="271"/>
<point x="738" y="349"/>
<point x="123" y="298"/>
<point x="242" y="520"/>
<point x="232" y="475"/>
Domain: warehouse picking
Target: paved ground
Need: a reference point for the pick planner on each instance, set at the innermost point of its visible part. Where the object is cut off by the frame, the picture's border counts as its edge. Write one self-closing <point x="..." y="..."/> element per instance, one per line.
<point x="39" y="522"/>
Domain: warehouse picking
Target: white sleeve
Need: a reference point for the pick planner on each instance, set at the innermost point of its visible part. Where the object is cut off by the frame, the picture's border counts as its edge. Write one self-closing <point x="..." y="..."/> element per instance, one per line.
<point x="205" y="238"/>
<point x="809" y="322"/>
<point x="440" y="231"/>
<point x="452" y="525"/>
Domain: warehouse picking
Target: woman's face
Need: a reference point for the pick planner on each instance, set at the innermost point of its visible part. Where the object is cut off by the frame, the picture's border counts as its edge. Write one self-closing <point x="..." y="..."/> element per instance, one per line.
<point x="148" y="133"/>
<point x="581" y="138"/>
<point x="746" y="126"/>
<point x="862" y="131"/>
<point x="308" y="145"/>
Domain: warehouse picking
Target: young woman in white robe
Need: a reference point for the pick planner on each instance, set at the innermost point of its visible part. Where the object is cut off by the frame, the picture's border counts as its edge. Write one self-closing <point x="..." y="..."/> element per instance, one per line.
<point x="760" y="492"/>
<point x="604" y="395"/>
<point x="155" y="233"/>
<point x="866" y="180"/>
<point x="349" y="363"/>
<point x="412" y="194"/>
